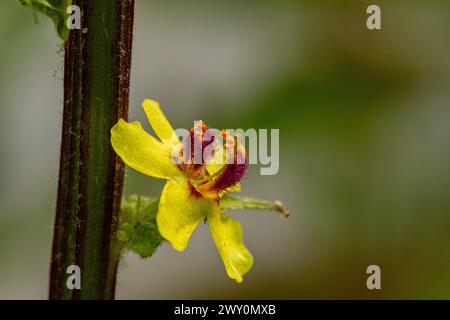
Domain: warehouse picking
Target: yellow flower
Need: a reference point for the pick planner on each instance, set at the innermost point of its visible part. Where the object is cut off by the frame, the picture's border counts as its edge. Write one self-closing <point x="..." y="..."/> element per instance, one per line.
<point x="192" y="192"/>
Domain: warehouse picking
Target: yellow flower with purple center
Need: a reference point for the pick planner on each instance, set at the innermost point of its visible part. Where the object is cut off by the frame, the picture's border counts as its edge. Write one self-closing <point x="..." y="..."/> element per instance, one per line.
<point x="193" y="190"/>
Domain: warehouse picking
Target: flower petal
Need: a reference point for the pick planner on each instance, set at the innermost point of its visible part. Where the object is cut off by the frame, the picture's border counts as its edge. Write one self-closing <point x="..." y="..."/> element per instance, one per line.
<point x="142" y="152"/>
<point x="227" y="234"/>
<point x="235" y="188"/>
<point x="180" y="211"/>
<point x="159" y="122"/>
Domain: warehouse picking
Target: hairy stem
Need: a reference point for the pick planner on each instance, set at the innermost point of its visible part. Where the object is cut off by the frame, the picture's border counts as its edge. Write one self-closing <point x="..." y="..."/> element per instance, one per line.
<point x="96" y="87"/>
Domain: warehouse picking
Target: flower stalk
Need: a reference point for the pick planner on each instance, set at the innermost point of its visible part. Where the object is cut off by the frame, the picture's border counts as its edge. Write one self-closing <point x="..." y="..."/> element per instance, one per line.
<point x="96" y="87"/>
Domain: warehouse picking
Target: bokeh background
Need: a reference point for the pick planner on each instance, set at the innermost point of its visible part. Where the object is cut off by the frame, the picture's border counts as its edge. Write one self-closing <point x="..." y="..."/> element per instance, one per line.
<point x="364" y="119"/>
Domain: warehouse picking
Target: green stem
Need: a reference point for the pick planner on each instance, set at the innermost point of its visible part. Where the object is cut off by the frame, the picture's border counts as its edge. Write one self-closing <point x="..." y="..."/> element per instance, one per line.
<point x="229" y="202"/>
<point x="96" y="86"/>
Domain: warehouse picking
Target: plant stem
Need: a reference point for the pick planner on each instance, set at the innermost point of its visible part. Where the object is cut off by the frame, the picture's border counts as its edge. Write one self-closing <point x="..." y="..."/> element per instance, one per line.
<point x="96" y="87"/>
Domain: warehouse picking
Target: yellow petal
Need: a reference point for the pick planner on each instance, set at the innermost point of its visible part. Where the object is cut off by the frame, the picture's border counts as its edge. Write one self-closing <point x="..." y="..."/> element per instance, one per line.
<point x="142" y="152"/>
<point x="227" y="234"/>
<point x="180" y="212"/>
<point x="159" y="122"/>
<point x="235" y="188"/>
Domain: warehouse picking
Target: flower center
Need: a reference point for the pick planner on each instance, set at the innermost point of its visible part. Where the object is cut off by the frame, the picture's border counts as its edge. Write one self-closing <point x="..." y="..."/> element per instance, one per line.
<point x="203" y="180"/>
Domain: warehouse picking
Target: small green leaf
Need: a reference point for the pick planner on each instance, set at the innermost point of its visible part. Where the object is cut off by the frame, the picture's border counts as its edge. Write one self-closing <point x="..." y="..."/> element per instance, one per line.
<point x="240" y="203"/>
<point x="56" y="10"/>
<point x="138" y="230"/>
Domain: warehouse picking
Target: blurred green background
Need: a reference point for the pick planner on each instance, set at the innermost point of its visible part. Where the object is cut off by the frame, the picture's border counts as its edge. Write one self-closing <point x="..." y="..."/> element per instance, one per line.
<point x="364" y="119"/>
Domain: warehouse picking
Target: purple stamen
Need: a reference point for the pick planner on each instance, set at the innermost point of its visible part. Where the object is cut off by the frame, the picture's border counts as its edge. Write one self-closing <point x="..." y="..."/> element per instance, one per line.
<point x="230" y="176"/>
